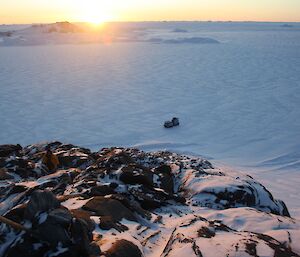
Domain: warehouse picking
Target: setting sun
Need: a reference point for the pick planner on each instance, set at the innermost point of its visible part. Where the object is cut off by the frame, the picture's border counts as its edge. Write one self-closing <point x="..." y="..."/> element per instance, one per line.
<point x="94" y="11"/>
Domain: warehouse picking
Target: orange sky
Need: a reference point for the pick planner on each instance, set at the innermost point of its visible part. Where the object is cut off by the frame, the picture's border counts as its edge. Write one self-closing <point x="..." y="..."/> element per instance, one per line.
<point x="38" y="11"/>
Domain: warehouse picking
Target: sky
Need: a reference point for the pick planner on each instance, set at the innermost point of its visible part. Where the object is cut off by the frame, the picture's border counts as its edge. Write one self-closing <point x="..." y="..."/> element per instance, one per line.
<point x="97" y="11"/>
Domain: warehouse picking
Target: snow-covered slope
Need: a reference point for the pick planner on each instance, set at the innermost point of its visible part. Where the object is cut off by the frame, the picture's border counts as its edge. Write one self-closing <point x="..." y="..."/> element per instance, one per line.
<point x="125" y="202"/>
<point x="237" y="101"/>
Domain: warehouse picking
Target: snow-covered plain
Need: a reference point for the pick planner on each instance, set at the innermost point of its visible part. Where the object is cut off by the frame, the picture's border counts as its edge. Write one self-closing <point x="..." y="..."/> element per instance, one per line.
<point x="237" y="100"/>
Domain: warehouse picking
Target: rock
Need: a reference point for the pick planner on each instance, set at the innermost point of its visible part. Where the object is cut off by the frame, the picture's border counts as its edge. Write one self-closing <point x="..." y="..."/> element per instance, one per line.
<point x="109" y="207"/>
<point x="4" y="175"/>
<point x="107" y="223"/>
<point x="136" y="199"/>
<point x="149" y="199"/>
<point x="165" y="178"/>
<point x="101" y="190"/>
<point x="40" y="201"/>
<point x="54" y="229"/>
<point x="222" y="191"/>
<point x="123" y="248"/>
<point x="16" y="214"/>
<point x="136" y="174"/>
<point x="73" y="159"/>
<point x="27" y="246"/>
<point x="20" y="166"/>
<point x="206" y="232"/>
<point x="82" y="237"/>
<point x="113" y="158"/>
<point x="2" y="162"/>
<point x="84" y="215"/>
<point x="7" y="150"/>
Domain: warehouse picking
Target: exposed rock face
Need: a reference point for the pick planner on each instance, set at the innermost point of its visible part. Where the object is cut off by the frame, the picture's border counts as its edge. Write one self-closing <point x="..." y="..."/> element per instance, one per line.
<point x="125" y="202"/>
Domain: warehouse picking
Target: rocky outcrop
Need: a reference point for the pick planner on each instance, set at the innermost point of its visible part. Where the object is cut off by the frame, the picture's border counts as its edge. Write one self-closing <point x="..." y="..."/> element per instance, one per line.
<point x="7" y="150"/>
<point x="126" y="202"/>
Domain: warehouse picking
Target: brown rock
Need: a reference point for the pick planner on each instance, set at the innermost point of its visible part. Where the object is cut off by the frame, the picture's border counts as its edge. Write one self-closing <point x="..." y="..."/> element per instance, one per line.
<point x="84" y="215"/>
<point x="123" y="248"/>
<point x="109" y="207"/>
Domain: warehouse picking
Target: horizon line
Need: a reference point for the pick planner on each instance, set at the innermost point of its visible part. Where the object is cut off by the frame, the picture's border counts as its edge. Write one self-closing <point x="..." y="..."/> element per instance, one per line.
<point x="142" y="21"/>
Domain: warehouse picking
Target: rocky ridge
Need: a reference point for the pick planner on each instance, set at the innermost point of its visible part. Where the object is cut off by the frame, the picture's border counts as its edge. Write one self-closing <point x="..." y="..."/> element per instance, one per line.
<point x="126" y="202"/>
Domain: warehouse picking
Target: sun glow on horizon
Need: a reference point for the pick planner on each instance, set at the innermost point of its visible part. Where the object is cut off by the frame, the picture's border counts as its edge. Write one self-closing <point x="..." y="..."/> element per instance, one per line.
<point x="95" y="12"/>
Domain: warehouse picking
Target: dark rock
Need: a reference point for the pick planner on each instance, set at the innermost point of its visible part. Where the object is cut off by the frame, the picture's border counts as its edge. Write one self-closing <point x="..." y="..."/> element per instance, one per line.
<point x="15" y="189"/>
<point x="20" y="166"/>
<point x="113" y="158"/>
<point x="16" y="214"/>
<point x="164" y="169"/>
<point x="149" y="199"/>
<point x="284" y="210"/>
<point x="2" y="162"/>
<point x="236" y="197"/>
<point x="7" y="150"/>
<point x="165" y="178"/>
<point x="54" y="145"/>
<point x="136" y="174"/>
<point x="109" y="207"/>
<point x="101" y="190"/>
<point x="84" y="215"/>
<point x="107" y="223"/>
<point x="81" y="237"/>
<point x="4" y="175"/>
<point x="123" y="248"/>
<point x="28" y="246"/>
<point x="206" y="232"/>
<point x="94" y="249"/>
<point x="40" y="201"/>
<point x="54" y="229"/>
<point x="67" y="160"/>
